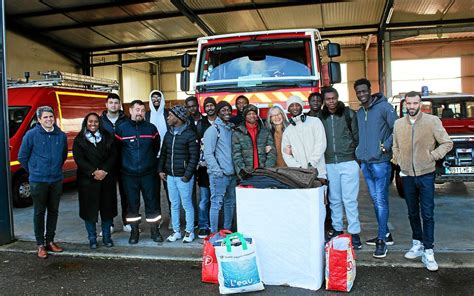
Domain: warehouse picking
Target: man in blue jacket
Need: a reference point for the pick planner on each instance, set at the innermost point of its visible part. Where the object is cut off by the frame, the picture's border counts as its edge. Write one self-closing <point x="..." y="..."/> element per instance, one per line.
<point x="218" y="156"/>
<point x="140" y="142"/>
<point x="42" y="154"/>
<point x="376" y="118"/>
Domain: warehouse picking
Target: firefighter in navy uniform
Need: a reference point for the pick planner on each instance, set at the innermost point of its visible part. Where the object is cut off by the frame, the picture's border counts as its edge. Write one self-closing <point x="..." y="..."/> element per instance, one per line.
<point x="140" y="142"/>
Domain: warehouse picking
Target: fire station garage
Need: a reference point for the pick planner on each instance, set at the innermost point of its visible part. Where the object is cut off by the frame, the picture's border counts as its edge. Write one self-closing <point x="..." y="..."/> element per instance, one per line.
<point x="133" y="47"/>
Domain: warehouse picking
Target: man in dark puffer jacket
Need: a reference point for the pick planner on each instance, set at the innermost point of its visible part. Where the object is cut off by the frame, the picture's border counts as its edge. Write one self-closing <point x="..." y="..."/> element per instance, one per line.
<point x="250" y="142"/>
<point x="178" y="161"/>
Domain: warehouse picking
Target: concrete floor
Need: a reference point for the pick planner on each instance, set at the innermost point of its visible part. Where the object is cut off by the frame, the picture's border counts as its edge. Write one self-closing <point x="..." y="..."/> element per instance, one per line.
<point x="454" y="231"/>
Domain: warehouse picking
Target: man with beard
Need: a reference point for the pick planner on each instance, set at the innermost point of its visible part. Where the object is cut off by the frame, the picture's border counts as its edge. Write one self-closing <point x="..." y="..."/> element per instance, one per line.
<point x="218" y="155"/>
<point x="342" y="135"/>
<point x="112" y="117"/>
<point x="375" y="120"/>
<point x="304" y="140"/>
<point x="315" y="101"/>
<point x="202" y="175"/>
<point x="140" y="142"/>
<point x="419" y="140"/>
<point x="240" y="104"/>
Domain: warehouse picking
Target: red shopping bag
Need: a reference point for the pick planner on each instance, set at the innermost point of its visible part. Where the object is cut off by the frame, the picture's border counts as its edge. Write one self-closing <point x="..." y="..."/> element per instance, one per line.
<point x="340" y="263"/>
<point x="210" y="267"/>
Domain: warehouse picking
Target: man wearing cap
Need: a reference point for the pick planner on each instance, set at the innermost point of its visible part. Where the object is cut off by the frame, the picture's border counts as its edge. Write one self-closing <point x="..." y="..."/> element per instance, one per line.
<point x="304" y="140"/>
<point x="201" y="174"/>
<point x="217" y="153"/>
<point x="178" y="160"/>
<point x="139" y="142"/>
<point x="249" y="144"/>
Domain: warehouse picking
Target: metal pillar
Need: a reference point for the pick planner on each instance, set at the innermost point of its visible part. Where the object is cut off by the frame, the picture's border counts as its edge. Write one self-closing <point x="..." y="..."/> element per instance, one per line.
<point x="120" y="78"/>
<point x="388" y="64"/>
<point x="380" y="62"/>
<point x="6" y="218"/>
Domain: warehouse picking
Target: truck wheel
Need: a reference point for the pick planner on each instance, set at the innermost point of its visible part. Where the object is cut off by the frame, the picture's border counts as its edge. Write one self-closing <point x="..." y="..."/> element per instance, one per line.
<point x="399" y="184"/>
<point x="21" y="192"/>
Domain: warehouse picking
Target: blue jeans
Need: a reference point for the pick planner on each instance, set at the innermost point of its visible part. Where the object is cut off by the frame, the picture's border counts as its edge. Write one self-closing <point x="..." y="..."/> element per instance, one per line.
<point x="343" y="190"/>
<point x="222" y="194"/>
<point x="92" y="232"/>
<point x="419" y="191"/>
<point x="204" y="198"/>
<point x="377" y="177"/>
<point x="46" y="196"/>
<point x="181" y="193"/>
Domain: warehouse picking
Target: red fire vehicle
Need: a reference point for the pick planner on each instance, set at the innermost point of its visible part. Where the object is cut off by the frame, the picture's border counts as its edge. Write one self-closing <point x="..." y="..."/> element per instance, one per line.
<point x="456" y="112"/>
<point x="268" y="67"/>
<point x="71" y="96"/>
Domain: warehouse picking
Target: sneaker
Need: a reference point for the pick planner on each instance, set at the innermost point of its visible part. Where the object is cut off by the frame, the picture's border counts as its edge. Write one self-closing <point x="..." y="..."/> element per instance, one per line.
<point x="388" y="240"/>
<point x="380" y="249"/>
<point x="428" y="260"/>
<point x="203" y="233"/>
<point x="188" y="237"/>
<point x="356" y="243"/>
<point x="333" y="233"/>
<point x="174" y="237"/>
<point x="111" y="231"/>
<point x="415" y="251"/>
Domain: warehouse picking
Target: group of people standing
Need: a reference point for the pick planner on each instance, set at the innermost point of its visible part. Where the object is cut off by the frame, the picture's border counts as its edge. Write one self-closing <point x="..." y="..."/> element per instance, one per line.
<point x="182" y="149"/>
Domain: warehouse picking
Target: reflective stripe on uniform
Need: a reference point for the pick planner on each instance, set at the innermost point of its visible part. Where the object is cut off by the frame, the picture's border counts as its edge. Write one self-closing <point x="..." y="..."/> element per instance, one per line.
<point x="156" y="219"/>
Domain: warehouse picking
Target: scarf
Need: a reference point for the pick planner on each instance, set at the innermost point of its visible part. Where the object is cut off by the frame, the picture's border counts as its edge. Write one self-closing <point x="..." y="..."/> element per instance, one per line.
<point x="252" y="129"/>
<point x="93" y="138"/>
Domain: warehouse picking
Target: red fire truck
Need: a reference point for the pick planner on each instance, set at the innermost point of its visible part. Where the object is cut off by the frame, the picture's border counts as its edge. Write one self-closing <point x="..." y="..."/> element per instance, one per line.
<point x="456" y="112"/>
<point x="267" y="67"/>
<point x="71" y="96"/>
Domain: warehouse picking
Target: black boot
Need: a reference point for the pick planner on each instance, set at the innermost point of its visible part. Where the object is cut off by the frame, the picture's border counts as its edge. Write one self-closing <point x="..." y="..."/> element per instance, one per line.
<point x="155" y="233"/>
<point x="134" y="234"/>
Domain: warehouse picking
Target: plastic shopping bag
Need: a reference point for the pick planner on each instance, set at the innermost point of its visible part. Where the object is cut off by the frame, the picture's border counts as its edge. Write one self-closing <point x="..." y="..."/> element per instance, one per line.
<point x="239" y="270"/>
<point x="340" y="264"/>
<point x="209" y="270"/>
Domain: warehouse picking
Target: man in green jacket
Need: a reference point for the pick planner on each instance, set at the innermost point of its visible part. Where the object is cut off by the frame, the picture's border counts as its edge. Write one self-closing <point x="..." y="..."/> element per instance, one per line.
<point x="419" y="140"/>
<point x="342" y="136"/>
<point x="252" y="144"/>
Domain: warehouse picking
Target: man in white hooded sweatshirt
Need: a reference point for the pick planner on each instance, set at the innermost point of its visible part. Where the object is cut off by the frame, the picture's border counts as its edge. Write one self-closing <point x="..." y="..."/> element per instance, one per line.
<point x="304" y="140"/>
<point x="157" y="116"/>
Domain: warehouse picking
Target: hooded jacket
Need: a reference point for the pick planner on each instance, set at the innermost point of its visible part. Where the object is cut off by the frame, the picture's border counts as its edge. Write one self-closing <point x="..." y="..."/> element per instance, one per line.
<point x="414" y="145"/>
<point x="139" y="142"/>
<point x="218" y="149"/>
<point x="308" y="143"/>
<point x="375" y="128"/>
<point x="341" y="139"/>
<point x="158" y="117"/>
<point x="108" y="125"/>
<point x="42" y="154"/>
<point x="180" y="152"/>
<point x="242" y="148"/>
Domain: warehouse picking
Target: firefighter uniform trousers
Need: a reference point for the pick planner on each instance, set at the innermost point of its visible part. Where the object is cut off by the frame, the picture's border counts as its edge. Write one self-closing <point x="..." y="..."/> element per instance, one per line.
<point x="145" y="184"/>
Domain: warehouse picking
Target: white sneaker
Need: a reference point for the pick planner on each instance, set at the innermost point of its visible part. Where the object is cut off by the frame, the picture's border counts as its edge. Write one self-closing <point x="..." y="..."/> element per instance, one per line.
<point x="415" y="251"/>
<point x="127" y="228"/>
<point x="188" y="237"/>
<point x="111" y="231"/>
<point x="174" y="237"/>
<point x="429" y="260"/>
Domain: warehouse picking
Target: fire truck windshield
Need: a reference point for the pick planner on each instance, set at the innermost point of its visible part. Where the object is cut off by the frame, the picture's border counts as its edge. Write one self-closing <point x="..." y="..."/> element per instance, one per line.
<point x="265" y="63"/>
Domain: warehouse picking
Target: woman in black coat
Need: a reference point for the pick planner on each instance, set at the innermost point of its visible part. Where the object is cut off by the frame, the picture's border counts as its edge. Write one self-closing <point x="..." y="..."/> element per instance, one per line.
<point x="95" y="155"/>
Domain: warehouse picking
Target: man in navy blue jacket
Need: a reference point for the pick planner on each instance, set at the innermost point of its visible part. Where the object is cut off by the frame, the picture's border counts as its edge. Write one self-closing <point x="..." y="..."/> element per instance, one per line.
<point x="140" y="142"/>
<point x="375" y="119"/>
<point x="42" y="154"/>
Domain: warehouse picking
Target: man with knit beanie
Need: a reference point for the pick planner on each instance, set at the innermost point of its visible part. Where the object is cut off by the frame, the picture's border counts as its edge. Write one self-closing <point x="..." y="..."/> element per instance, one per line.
<point x="178" y="160"/>
<point x="201" y="174"/>
<point x="217" y="153"/>
<point x="249" y="142"/>
<point x="304" y="139"/>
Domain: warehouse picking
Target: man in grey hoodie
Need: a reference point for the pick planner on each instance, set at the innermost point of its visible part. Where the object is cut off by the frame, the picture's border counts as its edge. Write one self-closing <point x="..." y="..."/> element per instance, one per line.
<point x="217" y="153"/>
<point x="376" y="118"/>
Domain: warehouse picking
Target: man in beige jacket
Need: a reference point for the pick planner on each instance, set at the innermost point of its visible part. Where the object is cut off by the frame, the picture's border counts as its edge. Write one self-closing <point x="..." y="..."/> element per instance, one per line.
<point x="419" y="140"/>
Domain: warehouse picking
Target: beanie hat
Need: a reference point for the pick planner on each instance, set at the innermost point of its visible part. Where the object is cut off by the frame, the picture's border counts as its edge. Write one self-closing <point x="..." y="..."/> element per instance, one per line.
<point x="249" y="108"/>
<point x="221" y="105"/>
<point x="294" y="99"/>
<point x="180" y="112"/>
<point x="209" y="100"/>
